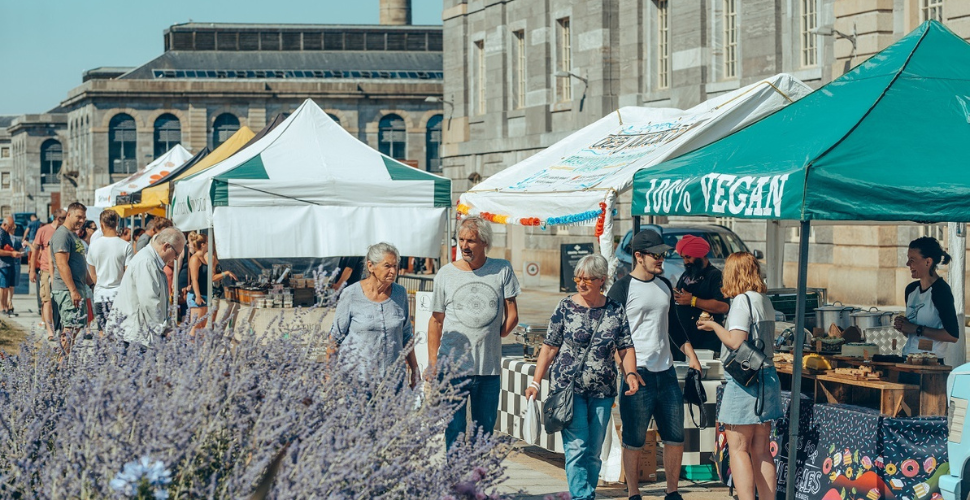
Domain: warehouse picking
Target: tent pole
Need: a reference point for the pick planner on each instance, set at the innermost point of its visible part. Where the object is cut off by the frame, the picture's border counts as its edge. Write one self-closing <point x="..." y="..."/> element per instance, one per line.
<point x="636" y="224"/>
<point x="775" y="254"/>
<point x="796" y="379"/>
<point x="212" y="243"/>
<point x="957" y="276"/>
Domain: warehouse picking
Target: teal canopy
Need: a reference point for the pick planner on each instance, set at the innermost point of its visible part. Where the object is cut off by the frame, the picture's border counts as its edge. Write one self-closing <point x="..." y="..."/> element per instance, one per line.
<point x="887" y="141"/>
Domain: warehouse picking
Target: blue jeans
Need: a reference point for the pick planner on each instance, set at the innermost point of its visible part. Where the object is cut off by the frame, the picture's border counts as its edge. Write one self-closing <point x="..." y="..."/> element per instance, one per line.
<point x="660" y="398"/>
<point x="582" y="440"/>
<point x="482" y="392"/>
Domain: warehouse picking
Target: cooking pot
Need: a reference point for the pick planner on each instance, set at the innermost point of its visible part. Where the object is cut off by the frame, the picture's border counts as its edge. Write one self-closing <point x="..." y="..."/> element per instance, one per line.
<point x="833" y="313"/>
<point x="873" y="318"/>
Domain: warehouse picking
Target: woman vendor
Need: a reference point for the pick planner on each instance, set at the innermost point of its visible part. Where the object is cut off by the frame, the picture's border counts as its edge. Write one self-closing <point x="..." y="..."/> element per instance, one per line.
<point x="930" y="323"/>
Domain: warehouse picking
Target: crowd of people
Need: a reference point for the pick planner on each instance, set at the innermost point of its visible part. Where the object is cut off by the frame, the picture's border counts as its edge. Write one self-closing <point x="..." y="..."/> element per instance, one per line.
<point x="605" y="344"/>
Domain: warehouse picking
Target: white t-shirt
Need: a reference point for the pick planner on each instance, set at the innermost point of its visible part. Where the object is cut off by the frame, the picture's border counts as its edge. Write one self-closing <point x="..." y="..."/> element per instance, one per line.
<point x="653" y="321"/>
<point x="109" y="256"/>
<point x="739" y="318"/>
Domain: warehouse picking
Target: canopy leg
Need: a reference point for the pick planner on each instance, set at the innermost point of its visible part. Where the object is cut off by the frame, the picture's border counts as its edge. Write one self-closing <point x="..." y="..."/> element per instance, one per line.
<point x="775" y="254"/>
<point x="636" y="224"/>
<point x="957" y="276"/>
<point x="796" y="379"/>
<point x="212" y="244"/>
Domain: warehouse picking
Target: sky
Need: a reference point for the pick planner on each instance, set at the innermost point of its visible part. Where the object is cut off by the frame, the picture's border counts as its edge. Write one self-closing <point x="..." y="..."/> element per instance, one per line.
<point x="45" y="45"/>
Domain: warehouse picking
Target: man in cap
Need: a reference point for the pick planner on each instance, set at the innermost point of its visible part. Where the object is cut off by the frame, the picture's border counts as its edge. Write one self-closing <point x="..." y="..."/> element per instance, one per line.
<point x="698" y="291"/>
<point x="650" y="308"/>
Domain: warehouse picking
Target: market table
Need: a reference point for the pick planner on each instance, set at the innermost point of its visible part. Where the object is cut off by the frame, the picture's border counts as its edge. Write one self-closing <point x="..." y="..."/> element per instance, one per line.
<point x="931" y="380"/>
<point x="889" y="397"/>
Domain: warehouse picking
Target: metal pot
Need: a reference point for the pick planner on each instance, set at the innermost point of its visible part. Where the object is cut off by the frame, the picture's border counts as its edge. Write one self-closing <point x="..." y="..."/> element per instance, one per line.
<point x="873" y="318"/>
<point x="833" y="313"/>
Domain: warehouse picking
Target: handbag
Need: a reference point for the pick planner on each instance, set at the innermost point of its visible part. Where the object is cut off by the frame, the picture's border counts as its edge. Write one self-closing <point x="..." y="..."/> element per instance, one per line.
<point x="557" y="409"/>
<point x="745" y="363"/>
<point x="694" y="394"/>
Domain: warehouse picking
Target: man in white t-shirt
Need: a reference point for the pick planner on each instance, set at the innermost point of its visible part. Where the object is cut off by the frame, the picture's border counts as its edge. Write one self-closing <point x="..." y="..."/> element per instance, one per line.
<point x="649" y="301"/>
<point x="107" y="259"/>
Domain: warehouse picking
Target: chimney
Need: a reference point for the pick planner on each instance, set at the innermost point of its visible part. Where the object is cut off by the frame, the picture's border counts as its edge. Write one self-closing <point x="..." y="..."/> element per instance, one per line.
<point x="395" y="12"/>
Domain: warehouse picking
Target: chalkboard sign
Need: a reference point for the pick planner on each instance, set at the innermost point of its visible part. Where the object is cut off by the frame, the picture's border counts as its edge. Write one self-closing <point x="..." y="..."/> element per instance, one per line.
<point x="569" y="256"/>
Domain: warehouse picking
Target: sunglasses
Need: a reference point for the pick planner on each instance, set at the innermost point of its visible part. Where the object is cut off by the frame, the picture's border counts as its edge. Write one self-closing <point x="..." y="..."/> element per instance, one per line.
<point x="586" y="281"/>
<point x="654" y="256"/>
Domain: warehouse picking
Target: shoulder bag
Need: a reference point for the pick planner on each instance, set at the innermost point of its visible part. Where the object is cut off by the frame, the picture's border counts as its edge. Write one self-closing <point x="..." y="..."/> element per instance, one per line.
<point x="744" y="364"/>
<point x="557" y="409"/>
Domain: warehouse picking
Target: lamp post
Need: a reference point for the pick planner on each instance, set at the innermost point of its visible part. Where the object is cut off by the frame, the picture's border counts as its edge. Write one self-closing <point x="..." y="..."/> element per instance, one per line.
<point x="568" y="74"/>
<point x="437" y="99"/>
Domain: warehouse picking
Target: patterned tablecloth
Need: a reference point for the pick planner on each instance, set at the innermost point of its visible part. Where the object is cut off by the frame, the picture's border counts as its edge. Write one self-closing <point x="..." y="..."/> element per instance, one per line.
<point x="699" y="444"/>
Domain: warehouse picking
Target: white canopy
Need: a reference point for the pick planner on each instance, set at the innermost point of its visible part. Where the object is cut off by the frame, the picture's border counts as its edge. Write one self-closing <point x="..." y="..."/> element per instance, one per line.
<point x="310" y="189"/>
<point x="160" y="167"/>
<point x="576" y="180"/>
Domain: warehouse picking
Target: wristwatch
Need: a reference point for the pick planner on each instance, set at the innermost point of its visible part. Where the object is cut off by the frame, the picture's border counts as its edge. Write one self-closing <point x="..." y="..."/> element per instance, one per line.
<point x="919" y="331"/>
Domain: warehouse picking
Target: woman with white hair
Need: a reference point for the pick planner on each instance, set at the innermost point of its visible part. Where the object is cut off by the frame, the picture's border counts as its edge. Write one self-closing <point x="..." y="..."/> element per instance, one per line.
<point x="585" y="332"/>
<point x="372" y="323"/>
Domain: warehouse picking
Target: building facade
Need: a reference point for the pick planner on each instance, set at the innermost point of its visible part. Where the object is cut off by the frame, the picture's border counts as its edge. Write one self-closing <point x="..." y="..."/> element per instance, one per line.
<point x="37" y="147"/>
<point x="382" y="83"/>
<point x="526" y="74"/>
<point x="6" y="168"/>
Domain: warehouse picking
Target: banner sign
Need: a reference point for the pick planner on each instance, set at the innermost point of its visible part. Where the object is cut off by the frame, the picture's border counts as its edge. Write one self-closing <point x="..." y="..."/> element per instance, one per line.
<point x="718" y="195"/>
<point x="570" y="255"/>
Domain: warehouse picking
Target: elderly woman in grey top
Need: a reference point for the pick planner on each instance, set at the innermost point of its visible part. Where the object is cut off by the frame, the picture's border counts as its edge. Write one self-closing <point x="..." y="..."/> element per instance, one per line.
<point x="372" y="324"/>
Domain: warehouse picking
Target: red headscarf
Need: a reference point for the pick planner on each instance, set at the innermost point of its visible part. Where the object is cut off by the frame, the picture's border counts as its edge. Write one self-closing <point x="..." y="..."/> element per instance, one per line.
<point x="693" y="246"/>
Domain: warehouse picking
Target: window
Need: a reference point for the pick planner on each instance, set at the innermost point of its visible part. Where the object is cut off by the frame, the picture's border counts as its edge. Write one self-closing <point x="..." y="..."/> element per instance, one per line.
<point x="564" y="84"/>
<point x="480" y="77"/>
<point x="931" y="9"/>
<point x="432" y="144"/>
<point x="730" y="39"/>
<point x="4" y="152"/>
<point x="168" y="133"/>
<point x="392" y="137"/>
<point x="121" y="145"/>
<point x="809" y="38"/>
<point x="518" y="69"/>
<point x="5" y="211"/>
<point x="663" y="45"/>
<point x="334" y="118"/>
<point x="4" y="180"/>
<point x="51" y="157"/>
<point x="223" y="127"/>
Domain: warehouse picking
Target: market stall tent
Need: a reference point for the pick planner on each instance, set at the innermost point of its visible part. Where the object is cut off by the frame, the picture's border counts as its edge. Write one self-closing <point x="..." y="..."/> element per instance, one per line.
<point x="156" y="196"/>
<point x="577" y="179"/>
<point x="310" y="189"/>
<point x="161" y="166"/>
<point x="135" y="207"/>
<point x="888" y="141"/>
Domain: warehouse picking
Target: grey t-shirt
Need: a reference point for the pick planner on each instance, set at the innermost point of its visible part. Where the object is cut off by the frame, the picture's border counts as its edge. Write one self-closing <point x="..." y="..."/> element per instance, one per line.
<point x="474" y="307"/>
<point x="66" y="241"/>
<point x="142" y="242"/>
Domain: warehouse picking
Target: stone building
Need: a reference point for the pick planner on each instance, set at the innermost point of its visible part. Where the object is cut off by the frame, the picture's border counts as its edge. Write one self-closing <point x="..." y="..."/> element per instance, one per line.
<point x="6" y="168"/>
<point x="526" y="74"/>
<point x="37" y="146"/>
<point x="382" y="83"/>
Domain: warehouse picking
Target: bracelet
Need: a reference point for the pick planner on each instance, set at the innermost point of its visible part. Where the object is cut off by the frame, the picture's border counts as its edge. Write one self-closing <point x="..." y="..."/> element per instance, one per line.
<point x="693" y="301"/>
<point x="535" y="385"/>
<point x="628" y="374"/>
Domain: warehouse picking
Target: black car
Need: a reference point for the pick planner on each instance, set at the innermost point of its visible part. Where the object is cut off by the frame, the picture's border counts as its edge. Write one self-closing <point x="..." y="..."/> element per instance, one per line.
<point x="723" y="242"/>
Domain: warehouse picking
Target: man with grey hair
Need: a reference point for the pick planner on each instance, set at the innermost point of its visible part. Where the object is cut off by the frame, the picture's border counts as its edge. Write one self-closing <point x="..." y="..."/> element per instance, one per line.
<point x="142" y="301"/>
<point x="8" y="261"/>
<point x="473" y="308"/>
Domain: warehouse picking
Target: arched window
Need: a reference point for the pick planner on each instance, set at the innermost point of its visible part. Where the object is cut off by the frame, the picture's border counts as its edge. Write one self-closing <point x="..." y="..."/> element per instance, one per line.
<point x="223" y="127"/>
<point x="121" y="145"/>
<point x="51" y="157"/>
<point x="334" y="118"/>
<point x="432" y="146"/>
<point x="168" y="133"/>
<point x="392" y="137"/>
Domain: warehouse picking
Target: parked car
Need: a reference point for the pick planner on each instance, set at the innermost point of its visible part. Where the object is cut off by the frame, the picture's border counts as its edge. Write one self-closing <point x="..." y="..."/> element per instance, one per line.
<point x="22" y="219"/>
<point x="723" y="242"/>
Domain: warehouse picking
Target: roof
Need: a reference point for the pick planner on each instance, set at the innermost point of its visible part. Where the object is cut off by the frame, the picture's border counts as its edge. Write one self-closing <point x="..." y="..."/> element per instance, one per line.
<point x="287" y="64"/>
<point x="192" y="26"/>
<point x="6" y="120"/>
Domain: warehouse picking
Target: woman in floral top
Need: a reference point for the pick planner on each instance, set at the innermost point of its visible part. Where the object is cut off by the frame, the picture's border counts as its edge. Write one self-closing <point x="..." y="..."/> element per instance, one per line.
<point x="587" y="320"/>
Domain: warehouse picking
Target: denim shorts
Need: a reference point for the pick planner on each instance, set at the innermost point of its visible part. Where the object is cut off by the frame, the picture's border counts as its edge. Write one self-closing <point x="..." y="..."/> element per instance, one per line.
<point x="661" y="399"/>
<point x="190" y="300"/>
<point x="7" y="277"/>
<point x="739" y="402"/>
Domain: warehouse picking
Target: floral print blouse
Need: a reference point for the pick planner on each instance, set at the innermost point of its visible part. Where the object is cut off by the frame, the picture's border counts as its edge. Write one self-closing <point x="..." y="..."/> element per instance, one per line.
<point x="571" y="329"/>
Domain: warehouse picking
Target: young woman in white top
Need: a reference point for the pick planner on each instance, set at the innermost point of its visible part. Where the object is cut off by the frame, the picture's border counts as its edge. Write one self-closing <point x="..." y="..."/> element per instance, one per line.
<point x="748" y="429"/>
<point x="930" y="324"/>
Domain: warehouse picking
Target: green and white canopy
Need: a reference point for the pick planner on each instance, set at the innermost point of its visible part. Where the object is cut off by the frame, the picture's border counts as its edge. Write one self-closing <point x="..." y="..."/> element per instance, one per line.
<point x="310" y="189"/>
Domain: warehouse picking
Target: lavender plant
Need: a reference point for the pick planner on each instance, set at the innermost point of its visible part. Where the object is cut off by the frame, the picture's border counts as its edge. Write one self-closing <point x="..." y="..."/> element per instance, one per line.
<point x="215" y="410"/>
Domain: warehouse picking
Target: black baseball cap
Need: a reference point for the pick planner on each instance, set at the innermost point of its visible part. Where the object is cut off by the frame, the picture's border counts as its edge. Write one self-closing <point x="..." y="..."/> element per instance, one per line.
<point x="649" y="241"/>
